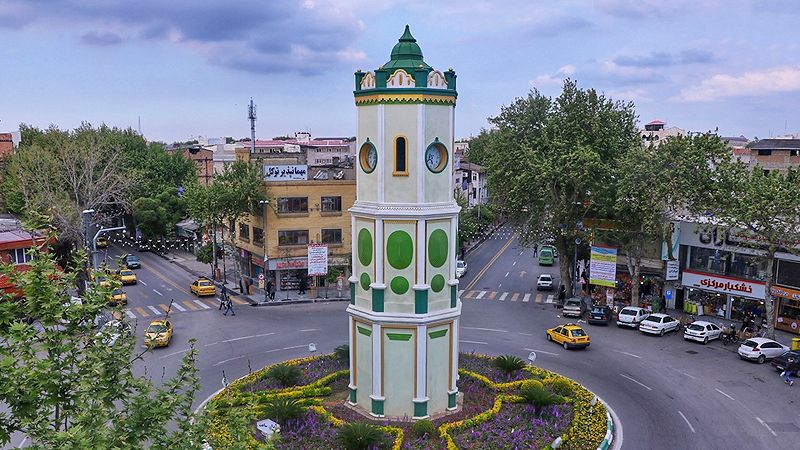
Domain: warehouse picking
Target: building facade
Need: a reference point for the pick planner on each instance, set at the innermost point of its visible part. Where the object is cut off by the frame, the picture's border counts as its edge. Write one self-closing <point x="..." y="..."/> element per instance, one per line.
<point x="15" y="246"/>
<point x="775" y="154"/>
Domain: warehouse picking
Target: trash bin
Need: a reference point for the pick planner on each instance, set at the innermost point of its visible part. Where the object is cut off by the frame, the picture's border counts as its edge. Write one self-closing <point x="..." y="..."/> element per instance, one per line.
<point x="795" y="343"/>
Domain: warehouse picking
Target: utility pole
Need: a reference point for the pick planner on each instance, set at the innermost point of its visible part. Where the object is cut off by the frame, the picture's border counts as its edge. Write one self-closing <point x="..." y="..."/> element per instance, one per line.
<point x="251" y="114"/>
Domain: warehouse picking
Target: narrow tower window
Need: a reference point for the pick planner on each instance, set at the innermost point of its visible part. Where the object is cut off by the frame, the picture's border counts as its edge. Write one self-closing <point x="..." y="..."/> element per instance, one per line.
<point x="400" y="156"/>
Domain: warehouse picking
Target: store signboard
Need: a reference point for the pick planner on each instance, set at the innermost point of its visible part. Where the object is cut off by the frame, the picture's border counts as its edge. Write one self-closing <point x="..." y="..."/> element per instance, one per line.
<point x="287" y="264"/>
<point x="317" y="259"/>
<point x="673" y="270"/>
<point x="603" y="266"/>
<point x="725" y="285"/>
<point x="779" y="291"/>
<point x="286" y="173"/>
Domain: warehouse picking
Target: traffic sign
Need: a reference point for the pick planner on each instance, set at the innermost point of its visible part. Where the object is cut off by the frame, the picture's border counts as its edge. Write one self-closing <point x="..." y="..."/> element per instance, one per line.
<point x="261" y="277"/>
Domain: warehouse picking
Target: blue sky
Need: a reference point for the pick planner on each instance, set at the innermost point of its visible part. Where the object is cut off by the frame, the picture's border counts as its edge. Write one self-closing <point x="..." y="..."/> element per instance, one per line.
<point x="189" y="67"/>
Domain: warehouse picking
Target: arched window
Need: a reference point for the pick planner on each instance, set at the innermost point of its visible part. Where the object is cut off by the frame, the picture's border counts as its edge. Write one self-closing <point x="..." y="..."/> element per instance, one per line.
<point x="400" y="156"/>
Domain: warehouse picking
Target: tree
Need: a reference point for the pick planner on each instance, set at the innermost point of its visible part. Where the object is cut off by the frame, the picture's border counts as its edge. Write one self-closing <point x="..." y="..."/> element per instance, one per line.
<point x="550" y="161"/>
<point x="766" y="206"/>
<point x="157" y="216"/>
<point x="67" y="385"/>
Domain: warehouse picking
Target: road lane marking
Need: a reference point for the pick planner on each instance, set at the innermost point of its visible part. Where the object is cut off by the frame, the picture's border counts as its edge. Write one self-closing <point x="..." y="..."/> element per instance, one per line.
<point x="201" y="304"/>
<point x="629" y="354"/>
<point x="524" y="334"/>
<point x="503" y="296"/>
<point x="538" y="298"/>
<point x="160" y="275"/>
<point x="526" y="298"/>
<point x="726" y="395"/>
<point x="474" y="342"/>
<point x="142" y="312"/>
<point x="640" y="384"/>
<point x="499" y="285"/>
<point x="492" y="295"/>
<point x="485" y="329"/>
<point x="507" y="274"/>
<point x="491" y="261"/>
<point x="174" y="353"/>
<point x="470" y="294"/>
<point x="141" y="281"/>
<point x="211" y="303"/>
<point x="307" y="330"/>
<point x="540" y="351"/>
<point x="684" y="373"/>
<point x="228" y="360"/>
<point x="159" y="293"/>
<point x="190" y="305"/>
<point x="130" y="313"/>
<point x="164" y="307"/>
<point x="520" y="253"/>
<point x="687" y="421"/>
<point x="239" y="339"/>
<point x="765" y="424"/>
<point x="480" y="295"/>
<point x="178" y="307"/>
<point x="155" y="311"/>
<point x="514" y="264"/>
<point x="461" y="293"/>
<point x="515" y="297"/>
<point x="549" y="299"/>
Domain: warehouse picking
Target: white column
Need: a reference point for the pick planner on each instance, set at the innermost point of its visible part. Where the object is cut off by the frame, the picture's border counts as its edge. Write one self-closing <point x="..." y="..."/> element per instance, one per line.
<point x="354" y="249"/>
<point x="452" y="145"/>
<point x="422" y="361"/>
<point x="422" y="252"/>
<point x="420" y="155"/>
<point x="454" y="255"/>
<point x="383" y="152"/>
<point x="377" y="367"/>
<point x="379" y="248"/>
<point x="454" y="367"/>
<point x="351" y="338"/>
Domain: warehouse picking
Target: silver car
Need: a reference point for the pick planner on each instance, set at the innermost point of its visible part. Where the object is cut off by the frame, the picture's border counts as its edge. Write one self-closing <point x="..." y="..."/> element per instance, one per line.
<point x="573" y="307"/>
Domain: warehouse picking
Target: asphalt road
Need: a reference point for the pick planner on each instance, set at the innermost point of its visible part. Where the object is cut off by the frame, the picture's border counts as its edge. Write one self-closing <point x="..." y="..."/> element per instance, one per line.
<point x="668" y="393"/>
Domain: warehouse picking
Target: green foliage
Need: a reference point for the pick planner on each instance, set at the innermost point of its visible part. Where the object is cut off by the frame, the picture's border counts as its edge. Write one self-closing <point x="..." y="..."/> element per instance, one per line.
<point x="422" y="427"/>
<point x="282" y="410"/>
<point x="342" y="352"/>
<point x="358" y="436"/>
<point x="157" y="216"/>
<point x="509" y="364"/>
<point x="285" y="374"/>
<point x="562" y="387"/>
<point x="206" y="253"/>
<point x="539" y="398"/>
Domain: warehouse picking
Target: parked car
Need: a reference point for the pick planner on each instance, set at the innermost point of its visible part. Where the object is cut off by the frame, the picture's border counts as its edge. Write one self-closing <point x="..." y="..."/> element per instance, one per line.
<point x="131" y="261"/>
<point x="117" y="296"/>
<point x="545" y="282"/>
<point x="631" y="316"/>
<point x="761" y="349"/>
<point x="461" y="268"/>
<point x="574" y="307"/>
<point x="702" y="331"/>
<point x="658" y="324"/>
<point x="601" y="315"/>
<point x="101" y="242"/>
<point x="783" y="361"/>
<point x="569" y="335"/>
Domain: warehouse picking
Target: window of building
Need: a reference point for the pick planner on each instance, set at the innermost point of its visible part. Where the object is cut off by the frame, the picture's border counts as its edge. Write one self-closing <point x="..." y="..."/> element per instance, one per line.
<point x="258" y="236"/>
<point x="727" y="263"/>
<point x="331" y="236"/>
<point x="292" y="205"/>
<point x="20" y="255"/>
<point x="764" y="152"/>
<point x="293" y="237"/>
<point x="787" y="273"/>
<point x="244" y="232"/>
<point x="400" y="156"/>
<point x="331" y="204"/>
<point x="766" y="171"/>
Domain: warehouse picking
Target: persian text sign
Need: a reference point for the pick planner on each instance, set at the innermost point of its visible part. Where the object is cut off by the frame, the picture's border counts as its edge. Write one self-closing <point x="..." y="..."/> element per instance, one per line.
<point x="603" y="266"/>
<point x="727" y="285"/>
<point x="673" y="270"/>
<point x="286" y="173"/>
<point x="317" y="259"/>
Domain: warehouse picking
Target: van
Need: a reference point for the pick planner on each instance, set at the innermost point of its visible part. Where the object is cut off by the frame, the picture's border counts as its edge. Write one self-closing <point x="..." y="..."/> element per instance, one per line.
<point x="546" y="256"/>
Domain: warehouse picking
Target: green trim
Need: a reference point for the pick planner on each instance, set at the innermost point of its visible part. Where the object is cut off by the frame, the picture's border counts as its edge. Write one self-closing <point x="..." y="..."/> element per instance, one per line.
<point x="451" y="400"/>
<point x="438" y="333"/>
<point x="377" y="407"/>
<point x="353" y="395"/>
<point x="352" y="293"/>
<point x="453" y="295"/>
<point x="377" y="300"/>
<point x="364" y="331"/>
<point x="421" y="409"/>
<point x="398" y="336"/>
<point x="421" y="301"/>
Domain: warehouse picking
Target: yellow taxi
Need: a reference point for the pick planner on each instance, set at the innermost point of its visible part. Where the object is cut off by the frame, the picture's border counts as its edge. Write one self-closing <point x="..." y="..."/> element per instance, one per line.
<point x="101" y="242"/>
<point x="126" y="276"/>
<point x="570" y="335"/>
<point x="117" y="296"/>
<point x="101" y="279"/>
<point x="203" y="286"/>
<point x="158" y="333"/>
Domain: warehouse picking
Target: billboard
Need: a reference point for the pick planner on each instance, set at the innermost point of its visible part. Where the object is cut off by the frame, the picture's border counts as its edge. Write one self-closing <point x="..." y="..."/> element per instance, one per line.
<point x="603" y="266"/>
<point x="293" y="172"/>
<point x="317" y="259"/>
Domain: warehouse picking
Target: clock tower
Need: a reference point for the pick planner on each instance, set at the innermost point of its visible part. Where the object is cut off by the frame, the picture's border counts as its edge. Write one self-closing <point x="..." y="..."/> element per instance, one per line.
<point x="404" y="309"/>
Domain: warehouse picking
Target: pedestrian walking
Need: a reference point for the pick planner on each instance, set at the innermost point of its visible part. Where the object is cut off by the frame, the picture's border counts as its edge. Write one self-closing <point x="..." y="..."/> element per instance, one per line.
<point x="221" y="298"/>
<point x="535" y="250"/>
<point x="791" y="369"/>
<point x="272" y="291"/>
<point x="269" y="288"/>
<point x="228" y="307"/>
<point x="302" y="285"/>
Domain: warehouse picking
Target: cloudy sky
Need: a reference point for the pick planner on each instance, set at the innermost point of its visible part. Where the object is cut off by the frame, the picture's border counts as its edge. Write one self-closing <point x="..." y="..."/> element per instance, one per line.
<point x="189" y="67"/>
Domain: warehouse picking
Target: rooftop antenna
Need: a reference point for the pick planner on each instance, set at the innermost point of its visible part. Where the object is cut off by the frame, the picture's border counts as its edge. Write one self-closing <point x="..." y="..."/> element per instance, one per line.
<point x="140" y="125"/>
<point x="251" y="114"/>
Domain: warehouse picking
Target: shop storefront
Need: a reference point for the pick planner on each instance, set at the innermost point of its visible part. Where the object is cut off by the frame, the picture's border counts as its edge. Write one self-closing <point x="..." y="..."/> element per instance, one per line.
<point x="721" y="296"/>
<point x="787" y="309"/>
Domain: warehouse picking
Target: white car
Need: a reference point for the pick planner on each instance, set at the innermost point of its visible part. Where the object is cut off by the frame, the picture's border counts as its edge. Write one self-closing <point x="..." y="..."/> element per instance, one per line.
<point x="545" y="282"/>
<point x="702" y="331"/>
<point x="761" y="349"/>
<point x="631" y="316"/>
<point x="658" y="324"/>
<point x="461" y="268"/>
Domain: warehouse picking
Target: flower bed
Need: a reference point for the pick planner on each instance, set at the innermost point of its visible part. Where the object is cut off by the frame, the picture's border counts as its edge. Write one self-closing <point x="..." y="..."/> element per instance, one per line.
<point x="484" y="365"/>
<point x="516" y="426"/>
<point x="313" y="369"/>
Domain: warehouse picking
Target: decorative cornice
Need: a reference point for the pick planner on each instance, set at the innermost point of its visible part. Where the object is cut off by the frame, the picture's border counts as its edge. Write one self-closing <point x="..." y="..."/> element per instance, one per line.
<point x="389" y="318"/>
<point x="412" y="96"/>
<point x="405" y="210"/>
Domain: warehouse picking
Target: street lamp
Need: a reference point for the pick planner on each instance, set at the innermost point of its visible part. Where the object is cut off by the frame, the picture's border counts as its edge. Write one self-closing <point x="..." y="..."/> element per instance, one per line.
<point x="264" y="204"/>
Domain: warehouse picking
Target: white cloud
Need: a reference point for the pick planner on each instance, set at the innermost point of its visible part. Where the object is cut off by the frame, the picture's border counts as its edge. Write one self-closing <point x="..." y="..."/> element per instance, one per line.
<point x="553" y="79"/>
<point x="633" y="95"/>
<point x="778" y="79"/>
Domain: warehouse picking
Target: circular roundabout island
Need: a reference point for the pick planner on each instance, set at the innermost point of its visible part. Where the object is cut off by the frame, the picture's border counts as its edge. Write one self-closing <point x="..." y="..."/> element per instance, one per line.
<point x="503" y="402"/>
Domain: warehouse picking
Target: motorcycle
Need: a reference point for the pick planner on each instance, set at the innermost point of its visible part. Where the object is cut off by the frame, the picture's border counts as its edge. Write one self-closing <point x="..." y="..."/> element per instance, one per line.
<point x="729" y="336"/>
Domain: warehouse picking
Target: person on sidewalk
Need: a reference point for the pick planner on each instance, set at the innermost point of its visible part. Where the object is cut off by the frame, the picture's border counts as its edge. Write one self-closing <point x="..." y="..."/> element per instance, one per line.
<point x="222" y="294"/>
<point x="269" y="288"/>
<point x="302" y="285"/>
<point x="272" y="291"/>
<point x="791" y="369"/>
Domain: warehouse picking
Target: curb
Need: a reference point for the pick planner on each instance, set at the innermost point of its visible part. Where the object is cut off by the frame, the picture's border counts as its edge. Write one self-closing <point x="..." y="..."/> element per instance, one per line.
<point x="613" y="427"/>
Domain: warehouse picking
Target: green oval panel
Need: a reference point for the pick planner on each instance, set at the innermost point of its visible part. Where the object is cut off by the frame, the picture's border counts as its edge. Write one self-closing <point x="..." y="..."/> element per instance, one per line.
<point x="399" y="250"/>
<point x="437" y="248"/>
<point x="365" y="247"/>
<point x="399" y="285"/>
<point x="437" y="283"/>
<point x="365" y="281"/>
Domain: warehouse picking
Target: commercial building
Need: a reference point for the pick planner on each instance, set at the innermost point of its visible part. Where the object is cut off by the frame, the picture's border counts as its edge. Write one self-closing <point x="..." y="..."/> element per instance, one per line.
<point x="656" y="131"/>
<point x="775" y="154"/>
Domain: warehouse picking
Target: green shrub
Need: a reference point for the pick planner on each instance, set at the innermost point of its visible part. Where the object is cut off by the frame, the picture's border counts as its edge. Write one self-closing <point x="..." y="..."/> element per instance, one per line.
<point x="562" y="386"/>
<point x="358" y="436"/>
<point x="423" y="427"/>
<point x="509" y="364"/>
<point x="282" y="410"/>
<point x="530" y="384"/>
<point x="342" y="352"/>
<point x="285" y="374"/>
<point x="540" y="398"/>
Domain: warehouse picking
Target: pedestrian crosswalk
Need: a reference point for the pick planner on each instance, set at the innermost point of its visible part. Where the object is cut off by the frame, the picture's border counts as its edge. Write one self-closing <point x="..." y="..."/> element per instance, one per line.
<point x="178" y="306"/>
<point x="538" y="297"/>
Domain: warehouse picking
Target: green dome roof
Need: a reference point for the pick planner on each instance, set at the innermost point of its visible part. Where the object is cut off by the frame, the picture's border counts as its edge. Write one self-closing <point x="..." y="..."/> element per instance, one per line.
<point x="406" y="54"/>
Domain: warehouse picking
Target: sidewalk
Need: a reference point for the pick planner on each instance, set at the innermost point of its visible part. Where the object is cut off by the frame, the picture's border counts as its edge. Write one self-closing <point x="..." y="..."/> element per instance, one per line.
<point x="188" y="262"/>
<point x="781" y="336"/>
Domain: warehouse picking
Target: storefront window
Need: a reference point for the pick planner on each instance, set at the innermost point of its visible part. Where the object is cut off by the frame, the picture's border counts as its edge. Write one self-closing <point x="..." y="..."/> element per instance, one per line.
<point x="741" y="307"/>
<point x="727" y="263"/>
<point x="713" y="304"/>
<point x="787" y="273"/>
<point x="789" y="309"/>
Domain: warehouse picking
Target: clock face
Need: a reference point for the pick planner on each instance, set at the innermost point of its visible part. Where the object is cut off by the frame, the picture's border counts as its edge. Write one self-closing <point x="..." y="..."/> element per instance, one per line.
<point x="369" y="157"/>
<point x="436" y="157"/>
